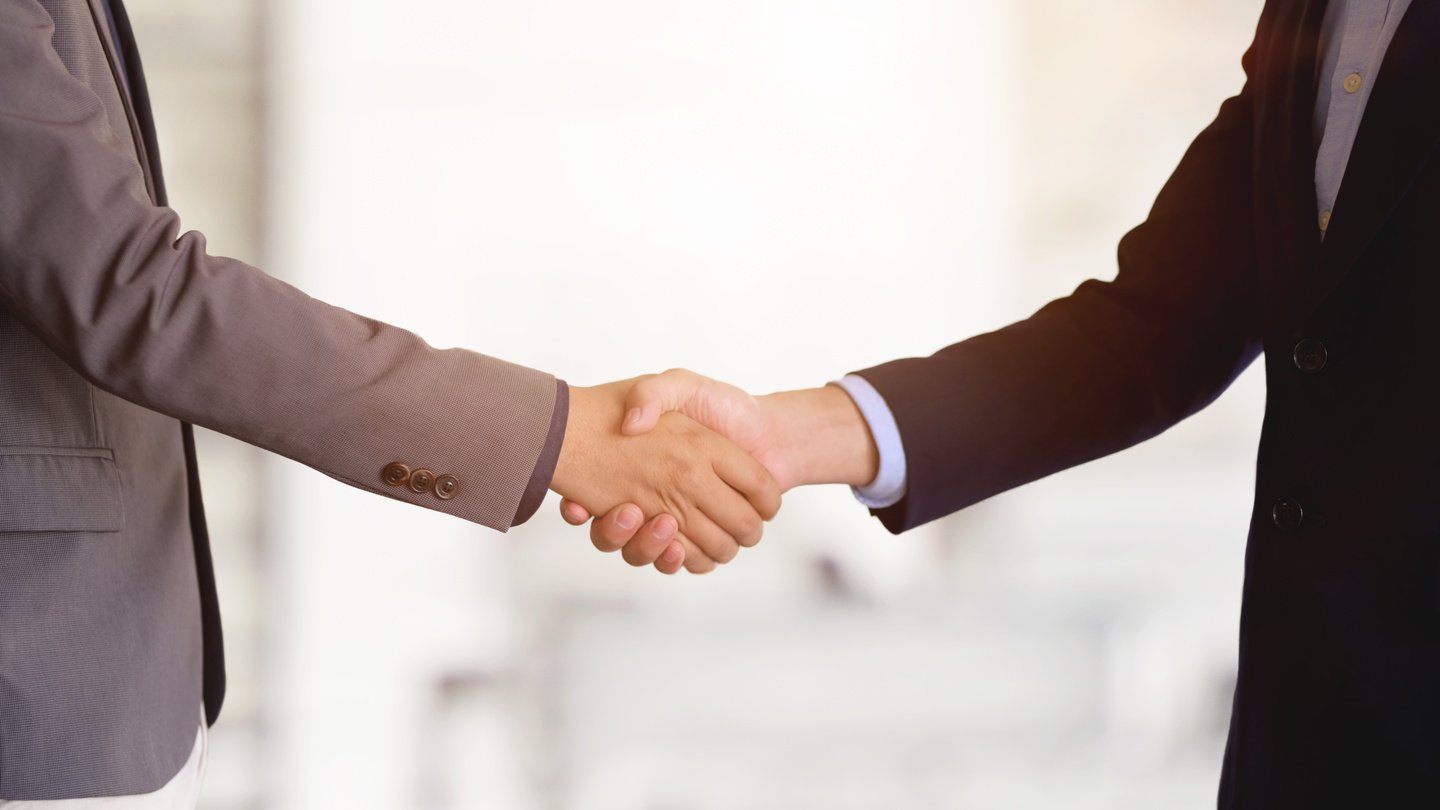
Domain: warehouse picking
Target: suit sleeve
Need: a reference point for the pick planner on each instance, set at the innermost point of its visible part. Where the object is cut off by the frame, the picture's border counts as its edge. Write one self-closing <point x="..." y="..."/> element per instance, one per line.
<point x="1114" y="363"/>
<point x="106" y="279"/>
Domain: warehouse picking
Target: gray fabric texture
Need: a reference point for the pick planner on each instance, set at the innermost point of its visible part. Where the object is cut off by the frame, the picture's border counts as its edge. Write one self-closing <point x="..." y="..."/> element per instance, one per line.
<point x="113" y="326"/>
<point x="52" y="489"/>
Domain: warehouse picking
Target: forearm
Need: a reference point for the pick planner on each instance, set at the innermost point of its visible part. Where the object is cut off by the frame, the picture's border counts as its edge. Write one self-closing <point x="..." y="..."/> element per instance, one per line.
<point x="1108" y="367"/>
<point x="230" y="349"/>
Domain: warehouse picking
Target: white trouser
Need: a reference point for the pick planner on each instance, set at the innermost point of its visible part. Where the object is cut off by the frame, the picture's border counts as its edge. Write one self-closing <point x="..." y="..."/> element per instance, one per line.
<point x="181" y="793"/>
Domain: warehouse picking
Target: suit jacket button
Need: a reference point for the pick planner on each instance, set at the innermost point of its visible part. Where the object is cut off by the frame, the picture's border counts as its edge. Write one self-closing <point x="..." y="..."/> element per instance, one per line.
<point x="1287" y="515"/>
<point x="446" y="486"/>
<point x="1310" y="355"/>
<point x="395" y="474"/>
<point x="422" y="481"/>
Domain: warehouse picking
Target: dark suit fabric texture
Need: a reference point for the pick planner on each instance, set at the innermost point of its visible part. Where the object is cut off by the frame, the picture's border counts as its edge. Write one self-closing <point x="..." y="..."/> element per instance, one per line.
<point x="1337" y="703"/>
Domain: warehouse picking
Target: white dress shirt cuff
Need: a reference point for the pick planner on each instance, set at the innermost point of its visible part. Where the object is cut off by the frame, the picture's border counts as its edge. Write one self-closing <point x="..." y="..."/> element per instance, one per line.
<point x="888" y="488"/>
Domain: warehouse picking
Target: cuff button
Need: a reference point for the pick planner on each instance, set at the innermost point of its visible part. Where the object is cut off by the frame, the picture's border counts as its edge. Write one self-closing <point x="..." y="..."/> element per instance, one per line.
<point x="395" y="474"/>
<point x="446" y="486"/>
<point x="422" y="481"/>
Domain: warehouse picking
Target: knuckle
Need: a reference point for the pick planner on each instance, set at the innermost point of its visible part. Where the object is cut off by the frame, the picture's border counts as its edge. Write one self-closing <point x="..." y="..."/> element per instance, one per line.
<point x="690" y="475"/>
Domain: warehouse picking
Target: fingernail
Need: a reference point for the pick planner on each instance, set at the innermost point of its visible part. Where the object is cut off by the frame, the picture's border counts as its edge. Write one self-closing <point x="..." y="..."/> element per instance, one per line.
<point x="629" y="518"/>
<point x="665" y="528"/>
<point x="673" y="555"/>
<point x="633" y="417"/>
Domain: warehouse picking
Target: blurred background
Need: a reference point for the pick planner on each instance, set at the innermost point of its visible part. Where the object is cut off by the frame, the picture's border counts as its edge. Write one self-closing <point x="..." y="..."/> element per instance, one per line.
<point x="773" y="192"/>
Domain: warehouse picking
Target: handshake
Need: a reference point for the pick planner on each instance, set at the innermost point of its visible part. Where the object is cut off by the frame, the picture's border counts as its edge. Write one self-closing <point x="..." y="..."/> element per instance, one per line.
<point x="683" y="470"/>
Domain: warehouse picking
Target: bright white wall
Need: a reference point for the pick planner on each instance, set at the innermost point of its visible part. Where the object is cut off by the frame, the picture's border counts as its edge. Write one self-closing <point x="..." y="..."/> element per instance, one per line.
<point x="773" y="192"/>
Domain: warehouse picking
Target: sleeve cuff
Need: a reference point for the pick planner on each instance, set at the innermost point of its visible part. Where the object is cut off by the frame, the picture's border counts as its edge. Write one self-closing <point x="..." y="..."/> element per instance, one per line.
<point x="889" y="485"/>
<point x="549" y="457"/>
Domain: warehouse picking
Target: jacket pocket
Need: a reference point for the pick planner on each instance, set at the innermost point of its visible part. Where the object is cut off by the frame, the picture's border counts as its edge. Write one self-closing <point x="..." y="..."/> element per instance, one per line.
<point x="59" y="489"/>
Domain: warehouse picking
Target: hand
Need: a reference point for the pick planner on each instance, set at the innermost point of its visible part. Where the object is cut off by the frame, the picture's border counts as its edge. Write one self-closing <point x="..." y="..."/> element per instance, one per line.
<point x="812" y="436"/>
<point x="716" y="495"/>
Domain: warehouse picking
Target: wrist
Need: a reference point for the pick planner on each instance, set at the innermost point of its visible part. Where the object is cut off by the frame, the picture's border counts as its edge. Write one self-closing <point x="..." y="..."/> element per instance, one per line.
<point x="586" y="410"/>
<point x="823" y="436"/>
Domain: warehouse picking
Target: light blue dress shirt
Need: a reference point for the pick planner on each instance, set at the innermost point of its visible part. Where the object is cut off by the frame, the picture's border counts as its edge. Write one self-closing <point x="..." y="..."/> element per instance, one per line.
<point x="1353" y="39"/>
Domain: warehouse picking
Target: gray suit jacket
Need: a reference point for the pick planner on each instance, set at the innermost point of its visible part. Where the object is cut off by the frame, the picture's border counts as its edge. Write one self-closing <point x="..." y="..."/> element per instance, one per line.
<point x="114" y="330"/>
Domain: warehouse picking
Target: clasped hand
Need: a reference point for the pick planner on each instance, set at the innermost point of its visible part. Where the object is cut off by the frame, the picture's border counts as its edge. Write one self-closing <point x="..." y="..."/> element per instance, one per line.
<point x="708" y="460"/>
<point x="705" y="497"/>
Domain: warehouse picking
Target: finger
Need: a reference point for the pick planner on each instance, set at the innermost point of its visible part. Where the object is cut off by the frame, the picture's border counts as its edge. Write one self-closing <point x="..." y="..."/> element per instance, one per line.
<point x="652" y="397"/>
<point x="573" y="513"/>
<point x="749" y="477"/>
<point x="651" y="541"/>
<point x="732" y="516"/>
<point x="718" y="544"/>
<point x="672" y="559"/>
<point x="696" y="561"/>
<point x="612" y="532"/>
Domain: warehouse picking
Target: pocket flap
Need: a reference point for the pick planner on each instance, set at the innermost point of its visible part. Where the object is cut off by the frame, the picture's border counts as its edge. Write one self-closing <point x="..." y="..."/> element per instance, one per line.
<point x="59" y="489"/>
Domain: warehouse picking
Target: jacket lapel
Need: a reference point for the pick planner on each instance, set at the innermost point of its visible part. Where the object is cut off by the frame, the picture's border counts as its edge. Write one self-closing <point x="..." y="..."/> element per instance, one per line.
<point x="1397" y="135"/>
<point x="139" y="99"/>
<point x="125" y="84"/>
<point x="1286" y="144"/>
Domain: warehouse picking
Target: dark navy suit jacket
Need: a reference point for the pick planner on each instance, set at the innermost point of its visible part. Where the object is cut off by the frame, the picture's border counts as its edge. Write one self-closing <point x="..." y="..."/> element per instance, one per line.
<point x="1337" y="702"/>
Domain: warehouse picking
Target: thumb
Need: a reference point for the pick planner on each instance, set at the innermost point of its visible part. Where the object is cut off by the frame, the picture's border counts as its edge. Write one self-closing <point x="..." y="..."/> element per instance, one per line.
<point x="654" y="396"/>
